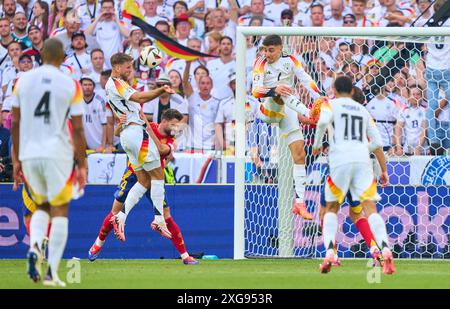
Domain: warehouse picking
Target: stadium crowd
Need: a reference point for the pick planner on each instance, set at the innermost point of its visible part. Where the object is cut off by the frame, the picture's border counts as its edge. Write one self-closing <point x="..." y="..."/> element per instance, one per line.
<point x="409" y="102"/>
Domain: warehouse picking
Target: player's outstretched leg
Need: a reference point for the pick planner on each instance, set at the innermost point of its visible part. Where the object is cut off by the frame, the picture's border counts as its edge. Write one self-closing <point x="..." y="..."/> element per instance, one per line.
<point x="135" y="194"/>
<point x="378" y="228"/>
<point x="106" y="227"/>
<point x="294" y="103"/>
<point x="296" y="148"/>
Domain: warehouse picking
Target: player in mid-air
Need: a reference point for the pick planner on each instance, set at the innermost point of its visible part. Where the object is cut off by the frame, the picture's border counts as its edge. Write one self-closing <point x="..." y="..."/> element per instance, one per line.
<point x="350" y="127"/>
<point x="274" y="77"/>
<point x="165" y="132"/>
<point x="355" y="209"/>
<point x="138" y="143"/>
<point x="43" y="99"/>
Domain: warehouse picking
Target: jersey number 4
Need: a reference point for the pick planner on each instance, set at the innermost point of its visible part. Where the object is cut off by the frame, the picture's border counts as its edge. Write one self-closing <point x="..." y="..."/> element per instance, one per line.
<point x="43" y="108"/>
<point x="355" y="123"/>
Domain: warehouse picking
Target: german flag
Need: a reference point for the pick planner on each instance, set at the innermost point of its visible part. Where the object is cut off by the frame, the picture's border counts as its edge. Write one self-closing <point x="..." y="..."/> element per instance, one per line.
<point x="163" y="42"/>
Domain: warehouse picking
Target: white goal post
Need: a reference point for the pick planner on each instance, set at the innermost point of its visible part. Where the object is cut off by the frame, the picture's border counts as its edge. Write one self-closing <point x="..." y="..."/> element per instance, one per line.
<point x="241" y="96"/>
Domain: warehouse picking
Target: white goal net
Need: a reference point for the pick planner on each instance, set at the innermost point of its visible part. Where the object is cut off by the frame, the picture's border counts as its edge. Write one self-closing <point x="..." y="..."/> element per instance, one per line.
<point x="406" y="93"/>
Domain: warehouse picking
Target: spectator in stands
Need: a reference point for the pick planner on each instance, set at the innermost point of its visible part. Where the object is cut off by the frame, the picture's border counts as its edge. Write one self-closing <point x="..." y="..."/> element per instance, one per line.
<point x="95" y="117"/>
<point x="286" y="18"/>
<point x="358" y="10"/>
<point x="56" y="19"/>
<point x="411" y="125"/>
<point x="163" y="26"/>
<point x="150" y="12"/>
<point x="40" y="17"/>
<point x="180" y="64"/>
<point x="108" y="31"/>
<point x="212" y="42"/>
<point x="256" y="9"/>
<point x="5" y="159"/>
<point x="336" y="20"/>
<point x="220" y="25"/>
<point x="424" y="11"/>
<point x="182" y="25"/>
<point x="80" y="60"/>
<point x="9" y="9"/>
<point x="88" y="10"/>
<point x="155" y="108"/>
<point x="274" y="9"/>
<point x="5" y="32"/>
<point x="349" y="20"/>
<point x="202" y="114"/>
<point x="438" y="77"/>
<point x="176" y="81"/>
<point x="71" y="25"/>
<point x="97" y="66"/>
<point x="20" y="30"/>
<point x="21" y="64"/>
<point x="136" y="35"/>
<point x="317" y="18"/>
<point x="10" y="71"/>
<point x="225" y="119"/>
<point x="35" y="35"/>
<point x="385" y="113"/>
<point x="222" y="67"/>
<point x="443" y="126"/>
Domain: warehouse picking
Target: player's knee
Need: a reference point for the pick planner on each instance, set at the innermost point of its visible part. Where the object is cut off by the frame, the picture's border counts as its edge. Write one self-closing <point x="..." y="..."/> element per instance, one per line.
<point x="369" y="207"/>
<point x="332" y="207"/>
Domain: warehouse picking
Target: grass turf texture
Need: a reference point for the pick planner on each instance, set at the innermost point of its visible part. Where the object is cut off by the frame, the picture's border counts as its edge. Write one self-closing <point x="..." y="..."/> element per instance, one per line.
<point x="223" y="274"/>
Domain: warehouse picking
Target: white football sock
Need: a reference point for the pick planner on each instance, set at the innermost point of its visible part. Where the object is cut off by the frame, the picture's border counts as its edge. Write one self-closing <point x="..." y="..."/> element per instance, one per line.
<point x="184" y="255"/>
<point x="132" y="199"/>
<point x="378" y="228"/>
<point x="38" y="228"/>
<point x="294" y="103"/>
<point x="99" y="242"/>
<point x="330" y="227"/>
<point x="299" y="173"/>
<point x="157" y="196"/>
<point x="57" y="243"/>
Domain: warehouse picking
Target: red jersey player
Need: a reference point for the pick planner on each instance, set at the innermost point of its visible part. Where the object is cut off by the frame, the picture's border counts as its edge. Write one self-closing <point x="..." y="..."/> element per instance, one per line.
<point x="165" y="135"/>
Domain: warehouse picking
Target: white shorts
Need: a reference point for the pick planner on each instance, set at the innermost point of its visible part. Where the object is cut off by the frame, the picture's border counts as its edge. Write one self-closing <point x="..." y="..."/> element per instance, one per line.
<point x="49" y="180"/>
<point x="357" y="178"/>
<point x="286" y="117"/>
<point x="140" y="148"/>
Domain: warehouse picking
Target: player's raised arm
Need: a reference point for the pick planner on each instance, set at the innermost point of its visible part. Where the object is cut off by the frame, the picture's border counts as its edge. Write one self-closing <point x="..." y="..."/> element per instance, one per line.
<point x="305" y="79"/>
<point x="145" y="96"/>
<point x="326" y="115"/>
<point x="79" y="141"/>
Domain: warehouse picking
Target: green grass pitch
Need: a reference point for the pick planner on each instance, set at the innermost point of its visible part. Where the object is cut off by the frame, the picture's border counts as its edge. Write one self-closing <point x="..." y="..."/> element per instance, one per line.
<point x="246" y="274"/>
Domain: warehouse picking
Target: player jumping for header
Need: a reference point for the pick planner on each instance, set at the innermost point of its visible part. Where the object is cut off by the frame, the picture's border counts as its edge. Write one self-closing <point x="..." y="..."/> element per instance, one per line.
<point x="274" y="81"/>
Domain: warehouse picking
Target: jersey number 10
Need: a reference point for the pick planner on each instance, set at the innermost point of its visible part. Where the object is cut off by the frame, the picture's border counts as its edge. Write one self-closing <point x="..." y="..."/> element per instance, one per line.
<point x="355" y="124"/>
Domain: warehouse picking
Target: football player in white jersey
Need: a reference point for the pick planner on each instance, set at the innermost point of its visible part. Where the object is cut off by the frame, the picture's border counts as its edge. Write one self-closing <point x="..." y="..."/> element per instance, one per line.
<point x="43" y="100"/>
<point x="350" y="127"/>
<point x="141" y="149"/>
<point x="273" y="82"/>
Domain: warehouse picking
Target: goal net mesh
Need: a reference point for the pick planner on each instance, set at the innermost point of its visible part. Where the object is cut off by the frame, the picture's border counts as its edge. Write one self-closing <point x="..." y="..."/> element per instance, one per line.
<point x="397" y="89"/>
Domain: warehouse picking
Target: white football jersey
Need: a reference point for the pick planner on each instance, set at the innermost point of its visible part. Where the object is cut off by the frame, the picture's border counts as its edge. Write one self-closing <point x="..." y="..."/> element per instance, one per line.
<point x="385" y="113"/>
<point x="350" y="127"/>
<point x="94" y="121"/>
<point x="267" y="76"/>
<point x="413" y="118"/>
<point x="118" y="93"/>
<point x="46" y="98"/>
<point x="438" y="56"/>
